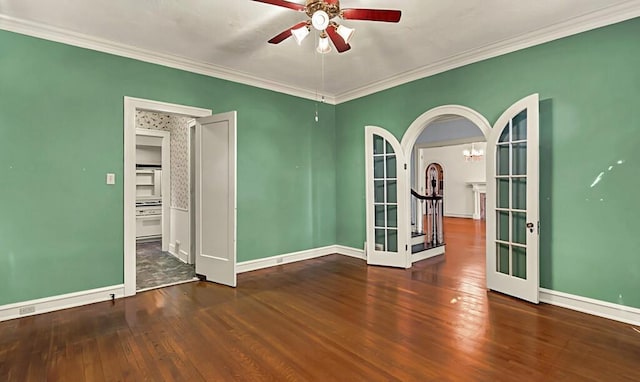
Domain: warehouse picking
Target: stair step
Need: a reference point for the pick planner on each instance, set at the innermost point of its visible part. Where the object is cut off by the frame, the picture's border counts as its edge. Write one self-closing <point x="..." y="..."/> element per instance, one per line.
<point x="415" y="248"/>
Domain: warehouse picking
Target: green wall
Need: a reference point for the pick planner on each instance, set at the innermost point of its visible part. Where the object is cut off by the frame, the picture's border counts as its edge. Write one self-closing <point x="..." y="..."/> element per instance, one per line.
<point x="301" y="184"/>
<point x="61" y="131"/>
<point x="589" y="87"/>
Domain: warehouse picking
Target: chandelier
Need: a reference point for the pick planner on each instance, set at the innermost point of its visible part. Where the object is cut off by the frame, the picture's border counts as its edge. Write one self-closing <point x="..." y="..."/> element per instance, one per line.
<point x="472" y="154"/>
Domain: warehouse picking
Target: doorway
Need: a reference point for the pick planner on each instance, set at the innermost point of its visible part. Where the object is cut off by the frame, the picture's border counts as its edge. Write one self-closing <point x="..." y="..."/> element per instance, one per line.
<point x="131" y="107"/>
<point x="512" y="229"/>
<point x="162" y="214"/>
<point x="442" y="147"/>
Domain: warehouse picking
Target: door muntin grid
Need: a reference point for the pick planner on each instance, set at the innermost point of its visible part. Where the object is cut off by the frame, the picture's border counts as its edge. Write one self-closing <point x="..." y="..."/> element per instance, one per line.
<point x="511" y="198"/>
<point x="385" y="195"/>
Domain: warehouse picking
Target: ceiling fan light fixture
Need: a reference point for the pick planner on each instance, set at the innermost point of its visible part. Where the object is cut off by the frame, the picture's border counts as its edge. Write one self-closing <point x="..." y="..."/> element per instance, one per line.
<point x="345" y="32"/>
<point x="300" y="34"/>
<point x="320" y="20"/>
<point x="323" y="44"/>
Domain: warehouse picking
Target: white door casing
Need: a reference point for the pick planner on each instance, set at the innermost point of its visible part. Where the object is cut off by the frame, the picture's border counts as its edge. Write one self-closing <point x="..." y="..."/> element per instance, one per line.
<point x="527" y="289"/>
<point x="386" y="209"/>
<point x="512" y="202"/>
<point x="215" y="194"/>
<point x="131" y="105"/>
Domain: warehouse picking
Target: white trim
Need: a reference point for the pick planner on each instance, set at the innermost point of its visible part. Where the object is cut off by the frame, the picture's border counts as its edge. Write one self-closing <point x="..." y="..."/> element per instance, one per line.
<point x="180" y="209"/>
<point x="351" y="252"/>
<point x="63" y="301"/>
<point x="429" y="253"/>
<point x="51" y="33"/>
<point x="461" y="216"/>
<point x="600" y="18"/>
<point x="252" y="265"/>
<point x="591" y="306"/>
<point x="603" y="17"/>
<point x="130" y="106"/>
<point x="432" y="115"/>
<point x="182" y="256"/>
<point x="413" y="132"/>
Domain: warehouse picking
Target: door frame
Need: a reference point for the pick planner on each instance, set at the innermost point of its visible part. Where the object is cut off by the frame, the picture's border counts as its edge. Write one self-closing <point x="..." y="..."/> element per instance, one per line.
<point x="131" y="106"/>
<point x="415" y="129"/>
<point x="165" y="180"/>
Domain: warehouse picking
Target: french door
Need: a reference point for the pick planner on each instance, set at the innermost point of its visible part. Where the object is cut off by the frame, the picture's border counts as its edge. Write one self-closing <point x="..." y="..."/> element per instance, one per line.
<point x="512" y="202"/>
<point x="387" y="200"/>
<point x="512" y="261"/>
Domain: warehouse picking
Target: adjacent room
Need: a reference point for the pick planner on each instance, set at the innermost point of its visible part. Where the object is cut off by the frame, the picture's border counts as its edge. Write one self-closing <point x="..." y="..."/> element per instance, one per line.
<point x="319" y="190"/>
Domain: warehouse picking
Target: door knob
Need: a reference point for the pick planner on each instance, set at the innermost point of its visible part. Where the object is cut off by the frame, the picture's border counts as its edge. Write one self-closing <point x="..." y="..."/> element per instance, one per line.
<point x="530" y="226"/>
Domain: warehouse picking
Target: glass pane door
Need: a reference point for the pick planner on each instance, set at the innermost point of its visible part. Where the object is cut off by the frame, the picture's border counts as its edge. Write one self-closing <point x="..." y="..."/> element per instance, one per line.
<point x="387" y="200"/>
<point x="385" y="203"/>
<point x="512" y="202"/>
<point x="511" y="198"/>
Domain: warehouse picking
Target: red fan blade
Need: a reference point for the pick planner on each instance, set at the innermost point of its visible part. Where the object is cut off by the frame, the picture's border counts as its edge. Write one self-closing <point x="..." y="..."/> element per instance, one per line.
<point x="337" y="40"/>
<point x="285" y="4"/>
<point x="286" y="34"/>
<point x="386" y="15"/>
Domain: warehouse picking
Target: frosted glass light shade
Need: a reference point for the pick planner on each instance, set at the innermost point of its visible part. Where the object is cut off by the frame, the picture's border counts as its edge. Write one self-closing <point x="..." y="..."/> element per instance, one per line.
<point x="323" y="45"/>
<point x="320" y="20"/>
<point x="345" y="32"/>
<point x="300" y="34"/>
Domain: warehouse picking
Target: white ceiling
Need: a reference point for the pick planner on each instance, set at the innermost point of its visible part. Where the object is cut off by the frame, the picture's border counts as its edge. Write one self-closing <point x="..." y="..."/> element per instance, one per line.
<point x="229" y="37"/>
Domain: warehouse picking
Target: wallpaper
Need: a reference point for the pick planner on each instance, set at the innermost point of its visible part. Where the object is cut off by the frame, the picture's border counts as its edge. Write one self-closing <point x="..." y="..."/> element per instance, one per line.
<point x="179" y="151"/>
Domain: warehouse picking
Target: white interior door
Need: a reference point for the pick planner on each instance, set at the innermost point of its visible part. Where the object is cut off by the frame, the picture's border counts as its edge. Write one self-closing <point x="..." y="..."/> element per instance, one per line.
<point x="215" y="157"/>
<point x="512" y="202"/>
<point x="387" y="237"/>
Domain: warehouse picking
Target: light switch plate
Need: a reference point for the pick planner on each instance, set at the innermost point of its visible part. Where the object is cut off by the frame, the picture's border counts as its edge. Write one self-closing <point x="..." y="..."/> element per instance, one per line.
<point x="111" y="178"/>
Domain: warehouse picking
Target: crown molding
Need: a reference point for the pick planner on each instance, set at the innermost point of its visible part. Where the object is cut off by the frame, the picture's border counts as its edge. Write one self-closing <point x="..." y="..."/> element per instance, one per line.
<point x="60" y="35"/>
<point x="610" y="15"/>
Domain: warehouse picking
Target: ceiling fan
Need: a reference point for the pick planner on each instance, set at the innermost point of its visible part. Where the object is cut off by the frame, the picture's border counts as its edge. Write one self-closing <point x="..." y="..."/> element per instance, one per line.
<point x="321" y="14"/>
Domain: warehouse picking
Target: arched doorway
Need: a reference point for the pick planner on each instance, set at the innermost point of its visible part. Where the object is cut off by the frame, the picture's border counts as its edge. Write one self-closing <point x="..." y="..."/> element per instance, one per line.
<point x="512" y="173"/>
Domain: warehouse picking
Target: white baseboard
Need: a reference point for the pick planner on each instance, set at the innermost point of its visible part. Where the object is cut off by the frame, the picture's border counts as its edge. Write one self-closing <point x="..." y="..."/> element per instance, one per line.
<point x="252" y="265"/>
<point x="64" y="301"/>
<point x="454" y="215"/>
<point x="182" y="255"/>
<point x="587" y="305"/>
<point x="591" y="306"/>
<point x="350" y="251"/>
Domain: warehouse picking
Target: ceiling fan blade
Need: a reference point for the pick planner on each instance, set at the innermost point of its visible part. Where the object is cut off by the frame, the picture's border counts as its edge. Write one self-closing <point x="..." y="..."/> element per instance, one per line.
<point x="337" y="40"/>
<point x="285" y="4"/>
<point x="386" y="15"/>
<point x="286" y="34"/>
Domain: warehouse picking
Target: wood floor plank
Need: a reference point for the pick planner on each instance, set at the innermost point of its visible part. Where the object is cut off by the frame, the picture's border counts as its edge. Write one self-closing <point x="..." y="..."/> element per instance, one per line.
<point x="328" y="319"/>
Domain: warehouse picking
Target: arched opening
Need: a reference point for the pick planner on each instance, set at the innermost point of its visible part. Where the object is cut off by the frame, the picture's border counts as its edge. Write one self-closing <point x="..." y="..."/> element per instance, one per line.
<point x="447" y="140"/>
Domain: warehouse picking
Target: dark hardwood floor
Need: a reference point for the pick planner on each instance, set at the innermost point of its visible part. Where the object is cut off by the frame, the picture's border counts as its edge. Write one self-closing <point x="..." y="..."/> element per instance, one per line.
<point x="328" y="319"/>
